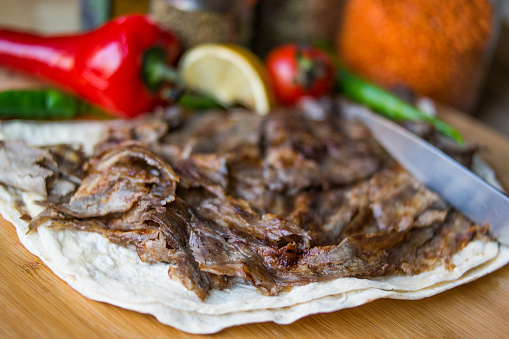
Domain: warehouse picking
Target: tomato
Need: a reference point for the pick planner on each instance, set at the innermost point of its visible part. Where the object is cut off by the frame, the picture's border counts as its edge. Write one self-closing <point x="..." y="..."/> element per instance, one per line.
<point x="297" y="71"/>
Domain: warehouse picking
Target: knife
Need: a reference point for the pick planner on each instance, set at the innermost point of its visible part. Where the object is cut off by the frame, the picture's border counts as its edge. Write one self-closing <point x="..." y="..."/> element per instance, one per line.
<point x="457" y="185"/>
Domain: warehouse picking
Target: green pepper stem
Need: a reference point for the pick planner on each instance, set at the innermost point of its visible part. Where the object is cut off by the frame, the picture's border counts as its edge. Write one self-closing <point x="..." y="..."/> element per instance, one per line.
<point x="160" y="77"/>
<point x="156" y="72"/>
<point x="164" y="73"/>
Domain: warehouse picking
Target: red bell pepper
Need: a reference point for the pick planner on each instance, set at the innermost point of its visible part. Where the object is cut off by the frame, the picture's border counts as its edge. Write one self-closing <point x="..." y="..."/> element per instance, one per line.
<point x="119" y="66"/>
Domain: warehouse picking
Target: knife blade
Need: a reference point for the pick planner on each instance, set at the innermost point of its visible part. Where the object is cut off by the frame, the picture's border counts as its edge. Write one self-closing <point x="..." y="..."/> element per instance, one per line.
<point x="457" y="185"/>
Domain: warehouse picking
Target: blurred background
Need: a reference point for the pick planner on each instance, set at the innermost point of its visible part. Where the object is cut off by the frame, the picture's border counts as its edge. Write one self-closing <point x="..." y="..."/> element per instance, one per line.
<point x="260" y="24"/>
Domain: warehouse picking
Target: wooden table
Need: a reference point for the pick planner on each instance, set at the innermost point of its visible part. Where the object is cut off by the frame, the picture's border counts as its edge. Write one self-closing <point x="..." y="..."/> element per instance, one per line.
<point x="34" y="303"/>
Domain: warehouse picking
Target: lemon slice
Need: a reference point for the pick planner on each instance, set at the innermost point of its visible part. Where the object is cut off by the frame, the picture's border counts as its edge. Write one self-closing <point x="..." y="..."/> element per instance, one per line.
<point x="229" y="73"/>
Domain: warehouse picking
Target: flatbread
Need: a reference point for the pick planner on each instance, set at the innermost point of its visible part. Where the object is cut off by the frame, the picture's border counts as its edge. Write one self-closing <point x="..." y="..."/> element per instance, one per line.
<point x="103" y="271"/>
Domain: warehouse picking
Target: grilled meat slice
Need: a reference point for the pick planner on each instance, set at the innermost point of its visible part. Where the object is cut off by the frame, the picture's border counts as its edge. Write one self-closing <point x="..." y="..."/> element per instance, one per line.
<point x="53" y="172"/>
<point x="24" y="166"/>
<point x="117" y="179"/>
<point x="276" y="201"/>
<point x="398" y="200"/>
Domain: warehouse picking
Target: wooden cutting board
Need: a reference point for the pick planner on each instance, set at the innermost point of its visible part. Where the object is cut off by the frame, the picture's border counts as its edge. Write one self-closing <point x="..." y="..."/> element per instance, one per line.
<point x="34" y="303"/>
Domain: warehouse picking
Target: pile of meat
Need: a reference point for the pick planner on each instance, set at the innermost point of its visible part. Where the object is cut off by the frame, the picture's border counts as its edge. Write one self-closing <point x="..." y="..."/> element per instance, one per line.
<point x="298" y="196"/>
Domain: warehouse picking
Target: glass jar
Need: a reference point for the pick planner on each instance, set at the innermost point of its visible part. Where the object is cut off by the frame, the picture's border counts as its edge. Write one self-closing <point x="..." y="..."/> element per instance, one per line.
<point x="437" y="48"/>
<point x="201" y="21"/>
<point x="303" y="21"/>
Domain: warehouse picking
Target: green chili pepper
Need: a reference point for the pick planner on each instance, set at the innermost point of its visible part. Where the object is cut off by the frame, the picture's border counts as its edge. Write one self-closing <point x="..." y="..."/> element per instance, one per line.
<point x="191" y="100"/>
<point x="388" y="104"/>
<point x="198" y="101"/>
<point x="40" y="104"/>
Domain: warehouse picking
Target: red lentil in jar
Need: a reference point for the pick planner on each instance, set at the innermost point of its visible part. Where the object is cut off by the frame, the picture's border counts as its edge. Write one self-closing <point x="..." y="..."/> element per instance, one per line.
<point x="435" y="47"/>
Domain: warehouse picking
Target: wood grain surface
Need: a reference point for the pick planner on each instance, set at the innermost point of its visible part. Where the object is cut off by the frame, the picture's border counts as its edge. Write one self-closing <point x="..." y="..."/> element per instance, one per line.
<point x="34" y="303"/>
